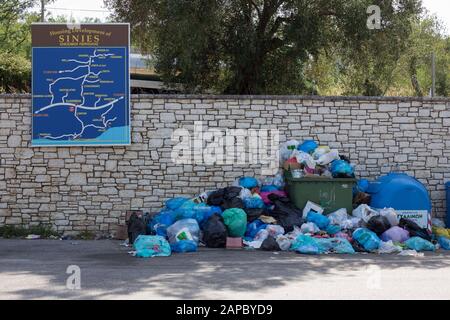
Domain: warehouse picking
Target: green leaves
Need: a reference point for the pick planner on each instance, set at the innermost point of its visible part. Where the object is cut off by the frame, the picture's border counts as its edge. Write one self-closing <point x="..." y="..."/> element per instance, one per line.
<point x="15" y="73"/>
<point x="272" y="46"/>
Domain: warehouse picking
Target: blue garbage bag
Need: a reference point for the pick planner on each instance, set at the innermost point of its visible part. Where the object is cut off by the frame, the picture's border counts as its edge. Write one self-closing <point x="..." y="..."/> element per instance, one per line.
<point x="269" y="188"/>
<point x="248" y="182"/>
<point x="151" y="246"/>
<point x="368" y="239"/>
<point x="332" y="229"/>
<point x="161" y="230"/>
<point x="253" y="203"/>
<point x="175" y="203"/>
<point x="341" y="169"/>
<point x="306" y="245"/>
<point x="444" y="243"/>
<point x="160" y="222"/>
<point x="361" y="186"/>
<point x="192" y="210"/>
<point x="308" y="146"/>
<point x="184" y="246"/>
<point x="335" y="245"/>
<point x="253" y="228"/>
<point x="419" y="244"/>
<point x="318" y="219"/>
<point x="167" y="217"/>
<point x="343" y="246"/>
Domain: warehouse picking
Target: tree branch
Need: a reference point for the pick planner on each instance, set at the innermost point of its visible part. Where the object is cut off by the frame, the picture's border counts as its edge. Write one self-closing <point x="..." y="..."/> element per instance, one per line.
<point x="252" y="3"/>
<point x="277" y="24"/>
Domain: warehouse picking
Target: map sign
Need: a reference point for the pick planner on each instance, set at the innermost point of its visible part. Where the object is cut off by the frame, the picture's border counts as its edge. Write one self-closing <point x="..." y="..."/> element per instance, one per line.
<point x="80" y="85"/>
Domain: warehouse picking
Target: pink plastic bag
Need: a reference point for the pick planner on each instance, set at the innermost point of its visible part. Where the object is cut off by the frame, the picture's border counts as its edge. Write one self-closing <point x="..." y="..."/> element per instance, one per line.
<point x="265" y="195"/>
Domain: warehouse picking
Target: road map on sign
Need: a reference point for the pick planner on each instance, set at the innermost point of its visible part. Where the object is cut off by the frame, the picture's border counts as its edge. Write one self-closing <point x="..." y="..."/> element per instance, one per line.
<point x="80" y="96"/>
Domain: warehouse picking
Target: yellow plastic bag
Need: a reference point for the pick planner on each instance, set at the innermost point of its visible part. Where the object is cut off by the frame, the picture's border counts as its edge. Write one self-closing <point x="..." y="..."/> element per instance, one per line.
<point x="441" y="232"/>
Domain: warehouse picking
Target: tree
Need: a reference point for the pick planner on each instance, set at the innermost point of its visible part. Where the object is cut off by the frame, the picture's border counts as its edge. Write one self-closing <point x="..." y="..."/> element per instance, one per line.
<point x="15" y="45"/>
<point x="14" y="25"/>
<point x="414" y="70"/>
<point x="265" y="46"/>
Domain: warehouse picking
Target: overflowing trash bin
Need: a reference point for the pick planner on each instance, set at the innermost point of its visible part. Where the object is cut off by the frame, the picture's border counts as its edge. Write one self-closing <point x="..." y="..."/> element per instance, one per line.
<point x="314" y="205"/>
<point x="330" y="193"/>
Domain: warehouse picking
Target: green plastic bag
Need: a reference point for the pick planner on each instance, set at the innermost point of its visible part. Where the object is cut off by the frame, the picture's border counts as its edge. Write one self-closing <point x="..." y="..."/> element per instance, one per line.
<point x="236" y="221"/>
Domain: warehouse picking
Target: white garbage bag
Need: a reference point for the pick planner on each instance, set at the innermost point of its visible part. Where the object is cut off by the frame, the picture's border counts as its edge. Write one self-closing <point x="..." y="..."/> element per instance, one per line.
<point x="327" y="158"/>
<point x="388" y="247"/>
<point x="320" y="151"/>
<point x="284" y="242"/>
<point x="304" y="158"/>
<point x="391" y="215"/>
<point x="338" y="217"/>
<point x="286" y="150"/>
<point x="365" y="212"/>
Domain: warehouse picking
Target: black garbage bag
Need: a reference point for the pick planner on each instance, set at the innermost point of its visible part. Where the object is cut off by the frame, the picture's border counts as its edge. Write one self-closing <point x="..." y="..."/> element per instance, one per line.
<point x="136" y="227"/>
<point x="378" y="224"/>
<point x="357" y="247"/>
<point x="414" y="229"/>
<point x="345" y="158"/>
<point x="285" y="212"/>
<point x="253" y="214"/>
<point x="215" y="232"/>
<point x="231" y="192"/>
<point x="233" y="203"/>
<point x="270" y="244"/>
<point x="226" y="198"/>
<point x="215" y="198"/>
<point x="361" y="198"/>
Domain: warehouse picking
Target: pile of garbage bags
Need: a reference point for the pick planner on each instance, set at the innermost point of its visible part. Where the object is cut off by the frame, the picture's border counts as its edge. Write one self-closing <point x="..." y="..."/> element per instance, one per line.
<point x="258" y="214"/>
<point x="261" y="214"/>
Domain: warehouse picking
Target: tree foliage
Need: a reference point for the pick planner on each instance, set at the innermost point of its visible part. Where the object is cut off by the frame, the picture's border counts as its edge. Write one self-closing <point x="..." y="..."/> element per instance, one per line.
<point x="413" y="73"/>
<point x="15" y="45"/>
<point x="268" y="46"/>
<point x="15" y="73"/>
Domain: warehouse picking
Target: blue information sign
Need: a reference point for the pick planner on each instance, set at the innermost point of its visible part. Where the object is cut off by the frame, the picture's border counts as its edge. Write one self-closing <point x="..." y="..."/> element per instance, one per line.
<point x="80" y="85"/>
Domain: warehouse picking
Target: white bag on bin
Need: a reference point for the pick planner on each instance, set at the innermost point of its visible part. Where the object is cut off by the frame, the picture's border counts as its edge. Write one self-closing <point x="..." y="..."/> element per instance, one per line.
<point x="286" y="150"/>
<point x="391" y="215"/>
<point x="327" y="158"/>
<point x="365" y="212"/>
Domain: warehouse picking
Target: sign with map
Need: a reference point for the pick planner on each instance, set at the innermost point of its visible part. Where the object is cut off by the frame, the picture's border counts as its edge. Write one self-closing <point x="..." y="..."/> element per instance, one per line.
<point x="80" y="85"/>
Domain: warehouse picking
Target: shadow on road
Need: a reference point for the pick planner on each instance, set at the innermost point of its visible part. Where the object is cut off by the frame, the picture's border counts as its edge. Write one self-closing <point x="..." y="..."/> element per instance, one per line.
<point x="107" y="270"/>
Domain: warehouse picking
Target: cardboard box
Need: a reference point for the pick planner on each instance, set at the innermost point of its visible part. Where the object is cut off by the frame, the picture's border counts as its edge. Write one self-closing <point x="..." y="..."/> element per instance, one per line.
<point x="234" y="243"/>
<point x="121" y="232"/>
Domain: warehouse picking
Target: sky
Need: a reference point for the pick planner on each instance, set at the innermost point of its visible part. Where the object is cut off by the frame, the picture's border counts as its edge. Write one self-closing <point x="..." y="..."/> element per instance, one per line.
<point x="441" y="8"/>
<point x="78" y="9"/>
<point x="95" y="9"/>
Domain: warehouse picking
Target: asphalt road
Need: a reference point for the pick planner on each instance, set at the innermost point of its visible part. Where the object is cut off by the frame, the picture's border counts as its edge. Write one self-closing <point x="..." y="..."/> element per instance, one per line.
<point x="36" y="269"/>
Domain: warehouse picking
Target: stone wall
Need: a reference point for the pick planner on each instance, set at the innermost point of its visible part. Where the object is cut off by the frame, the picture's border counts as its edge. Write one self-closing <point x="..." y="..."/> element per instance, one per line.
<point x="90" y="188"/>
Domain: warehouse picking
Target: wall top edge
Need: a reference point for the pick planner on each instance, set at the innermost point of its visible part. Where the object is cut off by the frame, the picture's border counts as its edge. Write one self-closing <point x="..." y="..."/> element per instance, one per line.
<point x="261" y="97"/>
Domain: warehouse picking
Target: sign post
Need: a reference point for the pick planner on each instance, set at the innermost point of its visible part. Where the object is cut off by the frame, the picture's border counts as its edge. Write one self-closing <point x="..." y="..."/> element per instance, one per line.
<point x="80" y="85"/>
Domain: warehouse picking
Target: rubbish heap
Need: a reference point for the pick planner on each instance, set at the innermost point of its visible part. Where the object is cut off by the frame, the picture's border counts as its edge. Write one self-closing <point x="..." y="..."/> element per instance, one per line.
<point x="258" y="214"/>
